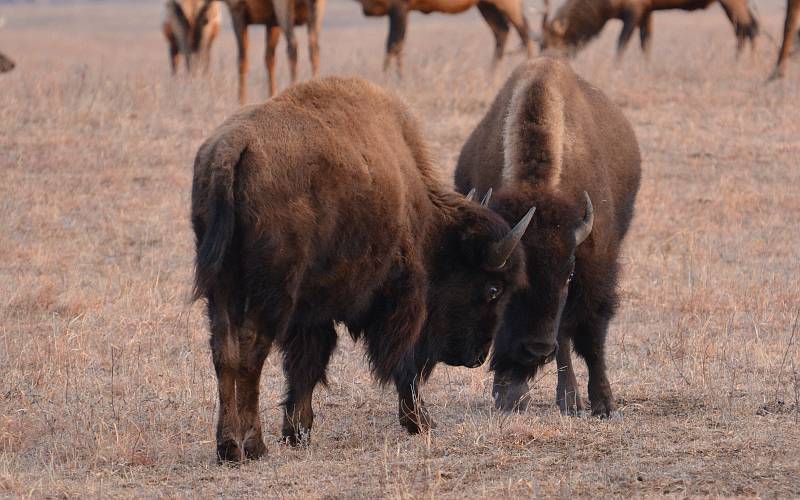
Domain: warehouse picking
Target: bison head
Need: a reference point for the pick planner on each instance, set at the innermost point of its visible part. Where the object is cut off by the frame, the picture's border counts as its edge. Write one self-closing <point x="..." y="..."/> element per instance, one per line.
<point x="527" y="338"/>
<point x="478" y="267"/>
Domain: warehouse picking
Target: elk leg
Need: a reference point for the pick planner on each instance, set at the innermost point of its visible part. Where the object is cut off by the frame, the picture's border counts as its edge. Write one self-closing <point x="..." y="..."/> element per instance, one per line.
<point x="590" y="339"/>
<point x="225" y="352"/>
<point x="240" y="28"/>
<point x="568" y="396"/>
<point x="629" y="20"/>
<point x="517" y="18"/>
<point x="317" y="9"/>
<point x="398" y="20"/>
<point x="273" y="36"/>
<point x="306" y="352"/>
<point x="174" y="58"/>
<point x="499" y="26"/>
<point x="646" y="33"/>
<point x="254" y="344"/>
<point x="789" y="27"/>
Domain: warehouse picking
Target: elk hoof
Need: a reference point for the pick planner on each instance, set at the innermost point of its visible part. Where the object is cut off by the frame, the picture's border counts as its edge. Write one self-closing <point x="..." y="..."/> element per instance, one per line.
<point x="229" y="451"/>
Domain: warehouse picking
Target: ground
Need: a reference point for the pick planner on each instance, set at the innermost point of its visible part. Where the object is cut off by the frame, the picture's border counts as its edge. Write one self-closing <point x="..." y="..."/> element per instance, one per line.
<point x="106" y="382"/>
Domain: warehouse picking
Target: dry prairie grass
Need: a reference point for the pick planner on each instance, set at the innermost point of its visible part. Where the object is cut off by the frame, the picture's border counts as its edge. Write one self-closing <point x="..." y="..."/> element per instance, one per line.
<point x="106" y="384"/>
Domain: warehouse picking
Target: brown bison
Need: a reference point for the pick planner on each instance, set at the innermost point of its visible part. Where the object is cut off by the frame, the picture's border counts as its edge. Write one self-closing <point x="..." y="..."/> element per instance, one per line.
<point x="552" y="140"/>
<point x="579" y="21"/>
<point x="498" y="14"/>
<point x="190" y="27"/>
<point x="277" y="16"/>
<point x="789" y="33"/>
<point x="322" y="206"/>
<point x="6" y="64"/>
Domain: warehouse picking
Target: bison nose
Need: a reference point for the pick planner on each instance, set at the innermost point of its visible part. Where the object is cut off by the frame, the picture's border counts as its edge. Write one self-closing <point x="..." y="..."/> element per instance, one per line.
<point x="539" y="353"/>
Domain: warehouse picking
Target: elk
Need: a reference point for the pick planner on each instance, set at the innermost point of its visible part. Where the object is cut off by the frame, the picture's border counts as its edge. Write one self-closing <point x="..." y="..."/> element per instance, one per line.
<point x="320" y="206"/>
<point x="277" y="16"/>
<point x="790" y="31"/>
<point x="498" y="14"/>
<point x="553" y="141"/>
<point x="6" y="64"/>
<point x="579" y="21"/>
<point x="190" y="27"/>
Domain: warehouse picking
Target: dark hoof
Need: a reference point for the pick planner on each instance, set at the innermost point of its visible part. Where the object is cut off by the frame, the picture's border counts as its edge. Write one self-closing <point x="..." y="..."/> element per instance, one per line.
<point x="572" y="410"/>
<point x="254" y="448"/>
<point x="418" y="422"/>
<point x="604" y="409"/>
<point x="294" y="438"/>
<point x="229" y="451"/>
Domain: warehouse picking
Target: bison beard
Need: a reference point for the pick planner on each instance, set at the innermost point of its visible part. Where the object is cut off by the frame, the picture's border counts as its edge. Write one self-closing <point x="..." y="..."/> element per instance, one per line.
<point x="552" y="140"/>
<point x="322" y="206"/>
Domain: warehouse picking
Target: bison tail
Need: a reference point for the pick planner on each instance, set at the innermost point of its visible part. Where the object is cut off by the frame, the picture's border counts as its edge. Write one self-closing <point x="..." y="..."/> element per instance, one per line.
<point x="214" y="230"/>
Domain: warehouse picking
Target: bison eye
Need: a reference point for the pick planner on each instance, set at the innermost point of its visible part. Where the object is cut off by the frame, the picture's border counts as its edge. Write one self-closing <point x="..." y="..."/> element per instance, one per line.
<point x="493" y="293"/>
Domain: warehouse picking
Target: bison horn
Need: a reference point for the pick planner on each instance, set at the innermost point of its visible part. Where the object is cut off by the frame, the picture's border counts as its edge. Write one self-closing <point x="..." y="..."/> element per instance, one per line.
<point x="585" y="229"/>
<point x="500" y="251"/>
<point x="486" y="198"/>
<point x="471" y="195"/>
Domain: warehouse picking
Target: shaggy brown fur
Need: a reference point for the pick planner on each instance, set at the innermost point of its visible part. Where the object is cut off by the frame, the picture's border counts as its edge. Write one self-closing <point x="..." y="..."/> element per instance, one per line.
<point x="322" y="206"/>
<point x="6" y="64"/>
<point x="498" y="14"/>
<point x="190" y="27"/>
<point x="790" y="31"/>
<point x="579" y="21"/>
<point x="277" y="16"/>
<point x="548" y="138"/>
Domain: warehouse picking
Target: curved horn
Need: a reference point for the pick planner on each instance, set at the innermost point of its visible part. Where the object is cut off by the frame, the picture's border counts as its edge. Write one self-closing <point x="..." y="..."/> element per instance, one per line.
<point x="471" y="195"/>
<point x="500" y="251"/>
<point x="486" y="198"/>
<point x="585" y="229"/>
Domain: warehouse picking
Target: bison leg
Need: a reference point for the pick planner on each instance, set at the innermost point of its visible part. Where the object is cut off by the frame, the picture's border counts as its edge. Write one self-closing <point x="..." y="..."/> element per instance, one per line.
<point x="273" y="36"/>
<point x="499" y="25"/>
<point x="412" y="412"/>
<point x="306" y="352"/>
<point x="398" y="19"/>
<point x="225" y="352"/>
<point x="254" y="347"/>
<point x="590" y="342"/>
<point x="567" y="394"/>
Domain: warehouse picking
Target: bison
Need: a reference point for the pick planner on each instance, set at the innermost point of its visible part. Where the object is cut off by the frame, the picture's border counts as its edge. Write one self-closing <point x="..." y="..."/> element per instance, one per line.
<point x="6" y="64"/>
<point x="789" y="32"/>
<point x="321" y="206"/>
<point x="277" y="16"/>
<point x="498" y="14"/>
<point x="554" y="141"/>
<point x="190" y="27"/>
<point x="579" y="21"/>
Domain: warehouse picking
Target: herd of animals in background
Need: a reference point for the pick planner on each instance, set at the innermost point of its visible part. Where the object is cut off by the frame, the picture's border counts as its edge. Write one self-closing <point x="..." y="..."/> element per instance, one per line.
<point x="553" y="141"/>
<point x="578" y="21"/>
<point x="190" y="27"/>
<point x="498" y="14"/>
<point x="339" y="215"/>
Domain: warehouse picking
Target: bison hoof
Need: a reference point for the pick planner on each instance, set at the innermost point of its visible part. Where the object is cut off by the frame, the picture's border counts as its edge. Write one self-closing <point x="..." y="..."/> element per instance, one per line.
<point x="418" y="422"/>
<point x="604" y="409"/>
<point x="299" y="437"/>
<point x="229" y="451"/>
<point x="254" y="448"/>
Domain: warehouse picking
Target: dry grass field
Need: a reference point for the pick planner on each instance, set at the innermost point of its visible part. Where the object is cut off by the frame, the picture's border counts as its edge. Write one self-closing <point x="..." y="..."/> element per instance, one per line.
<point x="106" y="382"/>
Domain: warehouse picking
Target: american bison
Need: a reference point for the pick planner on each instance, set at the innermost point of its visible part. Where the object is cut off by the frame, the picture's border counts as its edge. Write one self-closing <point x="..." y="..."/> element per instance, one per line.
<point x="190" y="27"/>
<point x="6" y="64"/>
<point x="277" y="16"/>
<point x="579" y="21"/>
<point x="498" y="14"/>
<point x="553" y="141"/>
<point x="320" y="206"/>
<point x="789" y="33"/>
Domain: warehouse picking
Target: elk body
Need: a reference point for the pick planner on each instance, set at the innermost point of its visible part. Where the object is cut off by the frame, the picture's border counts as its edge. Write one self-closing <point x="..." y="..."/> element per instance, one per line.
<point x="6" y="64"/>
<point x="498" y="14"/>
<point x="790" y="31"/>
<point x="579" y="21"/>
<point x="322" y="206"/>
<point x="553" y="141"/>
<point x="190" y="27"/>
<point x="278" y="16"/>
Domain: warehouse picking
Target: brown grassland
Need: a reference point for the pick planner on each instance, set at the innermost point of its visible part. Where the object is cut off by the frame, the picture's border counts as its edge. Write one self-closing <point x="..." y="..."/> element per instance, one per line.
<point x="106" y="382"/>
